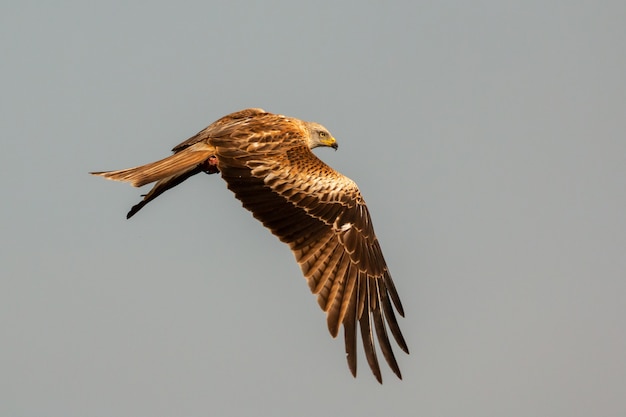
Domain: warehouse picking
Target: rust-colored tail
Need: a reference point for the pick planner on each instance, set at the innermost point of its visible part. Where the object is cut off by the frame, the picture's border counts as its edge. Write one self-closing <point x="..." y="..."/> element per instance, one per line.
<point x="167" y="167"/>
<point x="168" y="172"/>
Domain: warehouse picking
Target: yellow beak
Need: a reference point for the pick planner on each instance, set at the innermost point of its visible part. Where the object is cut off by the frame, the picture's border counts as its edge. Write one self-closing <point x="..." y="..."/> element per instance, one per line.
<point x="331" y="141"/>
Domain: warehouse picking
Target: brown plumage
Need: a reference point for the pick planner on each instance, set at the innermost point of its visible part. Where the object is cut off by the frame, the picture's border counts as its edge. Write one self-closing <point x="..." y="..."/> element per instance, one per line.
<point x="266" y="160"/>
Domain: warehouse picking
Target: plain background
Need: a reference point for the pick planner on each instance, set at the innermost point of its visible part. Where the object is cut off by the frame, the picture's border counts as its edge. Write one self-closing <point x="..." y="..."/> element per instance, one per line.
<point x="487" y="137"/>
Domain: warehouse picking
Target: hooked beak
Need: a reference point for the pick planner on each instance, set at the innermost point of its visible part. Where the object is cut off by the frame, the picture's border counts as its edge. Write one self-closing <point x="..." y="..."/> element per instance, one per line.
<point x="331" y="142"/>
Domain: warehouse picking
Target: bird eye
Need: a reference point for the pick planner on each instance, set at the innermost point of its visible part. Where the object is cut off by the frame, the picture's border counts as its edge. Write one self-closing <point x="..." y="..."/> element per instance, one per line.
<point x="322" y="134"/>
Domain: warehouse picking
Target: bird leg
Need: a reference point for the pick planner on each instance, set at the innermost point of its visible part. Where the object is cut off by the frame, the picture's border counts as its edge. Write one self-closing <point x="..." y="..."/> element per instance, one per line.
<point x="210" y="165"/>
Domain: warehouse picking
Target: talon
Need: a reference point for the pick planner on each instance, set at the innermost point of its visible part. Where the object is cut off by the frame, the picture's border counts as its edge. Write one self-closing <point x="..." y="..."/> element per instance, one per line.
<point x="210" y="165"/>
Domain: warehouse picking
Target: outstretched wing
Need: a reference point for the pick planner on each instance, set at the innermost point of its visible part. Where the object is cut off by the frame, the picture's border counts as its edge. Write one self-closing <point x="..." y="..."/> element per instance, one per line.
<point x="321" y="215"/>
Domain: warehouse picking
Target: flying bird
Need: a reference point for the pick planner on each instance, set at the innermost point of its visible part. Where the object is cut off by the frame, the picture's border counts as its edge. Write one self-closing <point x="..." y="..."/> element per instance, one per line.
<point x="266" y="160"/>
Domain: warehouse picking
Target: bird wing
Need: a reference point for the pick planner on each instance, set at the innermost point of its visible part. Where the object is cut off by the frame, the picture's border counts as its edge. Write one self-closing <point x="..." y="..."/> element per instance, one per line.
<point x="321" y="215"/>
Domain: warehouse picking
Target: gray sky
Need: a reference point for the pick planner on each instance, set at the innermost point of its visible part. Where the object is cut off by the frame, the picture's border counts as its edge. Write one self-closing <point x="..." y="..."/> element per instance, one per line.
<point x="488" y="139"/>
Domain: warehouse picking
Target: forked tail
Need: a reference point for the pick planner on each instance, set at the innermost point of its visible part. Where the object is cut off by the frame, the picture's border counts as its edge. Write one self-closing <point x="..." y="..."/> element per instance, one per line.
<point x="167" y="167"/>
<point x="168" y="172"/>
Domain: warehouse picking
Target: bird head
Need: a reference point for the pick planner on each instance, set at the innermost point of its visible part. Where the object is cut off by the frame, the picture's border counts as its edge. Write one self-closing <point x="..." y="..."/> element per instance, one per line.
<point x="320" y="136"/>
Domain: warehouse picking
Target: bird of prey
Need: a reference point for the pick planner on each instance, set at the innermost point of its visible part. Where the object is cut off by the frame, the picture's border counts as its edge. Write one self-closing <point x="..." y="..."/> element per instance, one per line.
<point x="266" y="160"/>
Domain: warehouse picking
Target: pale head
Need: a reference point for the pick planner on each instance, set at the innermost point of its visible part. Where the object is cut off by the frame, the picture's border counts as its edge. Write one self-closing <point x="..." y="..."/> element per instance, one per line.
<point x="320" y="136"/>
